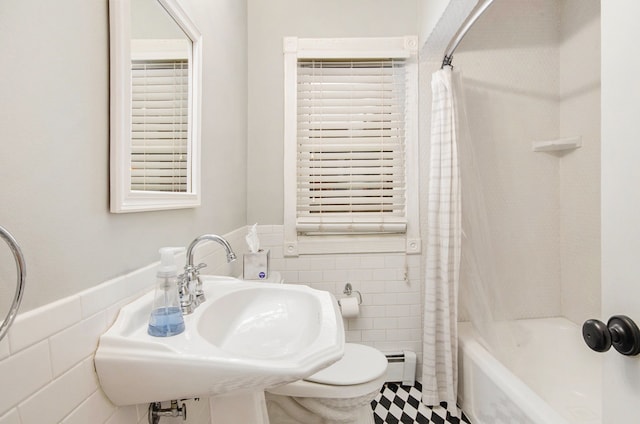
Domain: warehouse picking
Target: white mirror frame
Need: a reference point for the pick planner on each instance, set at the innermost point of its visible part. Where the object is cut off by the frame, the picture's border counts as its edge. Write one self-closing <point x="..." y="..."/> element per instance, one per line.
<point x="123" y="199"/>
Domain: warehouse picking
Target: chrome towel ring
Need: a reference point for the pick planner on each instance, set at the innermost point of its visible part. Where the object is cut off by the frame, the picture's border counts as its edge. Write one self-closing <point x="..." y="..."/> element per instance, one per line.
<point x="21" y="278"/>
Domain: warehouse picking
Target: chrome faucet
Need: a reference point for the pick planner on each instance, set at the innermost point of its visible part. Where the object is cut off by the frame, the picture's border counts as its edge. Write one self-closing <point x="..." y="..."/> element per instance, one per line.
<point x="190" y="290"/>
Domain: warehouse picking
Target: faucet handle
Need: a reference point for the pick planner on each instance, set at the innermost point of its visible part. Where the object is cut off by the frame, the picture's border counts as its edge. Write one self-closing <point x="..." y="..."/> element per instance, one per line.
<point x="185" y="296"/>
<point x="188" y="269"/>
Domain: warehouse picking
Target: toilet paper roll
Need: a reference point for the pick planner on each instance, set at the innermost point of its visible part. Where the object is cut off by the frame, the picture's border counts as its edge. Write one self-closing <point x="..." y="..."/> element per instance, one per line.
<point x="349" y="307"/>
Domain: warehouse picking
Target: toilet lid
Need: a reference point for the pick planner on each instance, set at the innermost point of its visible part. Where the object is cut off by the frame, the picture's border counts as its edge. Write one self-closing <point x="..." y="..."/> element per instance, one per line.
<point x="359" y="364"/>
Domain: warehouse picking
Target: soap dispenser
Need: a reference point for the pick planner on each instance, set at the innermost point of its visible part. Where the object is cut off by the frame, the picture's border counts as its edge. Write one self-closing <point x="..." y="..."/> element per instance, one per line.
<point x="166" y="316"/>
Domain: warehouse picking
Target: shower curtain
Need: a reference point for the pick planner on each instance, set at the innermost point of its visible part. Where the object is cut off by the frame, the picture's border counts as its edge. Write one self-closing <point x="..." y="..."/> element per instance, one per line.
<point x="440" y="338"/>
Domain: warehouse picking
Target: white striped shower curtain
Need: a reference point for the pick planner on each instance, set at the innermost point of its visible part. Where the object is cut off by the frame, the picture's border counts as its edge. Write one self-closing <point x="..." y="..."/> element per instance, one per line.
<point x="440" y="338"/>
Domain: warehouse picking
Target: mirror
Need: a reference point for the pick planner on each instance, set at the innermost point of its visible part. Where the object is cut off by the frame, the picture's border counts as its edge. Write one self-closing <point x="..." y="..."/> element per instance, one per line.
<point x="156" y="56"/>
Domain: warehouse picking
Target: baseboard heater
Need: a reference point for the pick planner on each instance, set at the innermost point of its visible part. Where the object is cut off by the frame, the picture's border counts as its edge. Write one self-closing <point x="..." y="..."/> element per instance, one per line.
<point x="402" y="367"/>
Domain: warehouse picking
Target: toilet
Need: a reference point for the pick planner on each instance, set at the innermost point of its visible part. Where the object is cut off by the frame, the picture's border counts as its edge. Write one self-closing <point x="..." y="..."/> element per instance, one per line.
<point x="341" y="393"/>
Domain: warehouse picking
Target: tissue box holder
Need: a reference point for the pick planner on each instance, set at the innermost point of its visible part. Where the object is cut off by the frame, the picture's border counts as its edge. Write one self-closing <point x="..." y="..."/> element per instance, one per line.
<point x="255" y="266"/>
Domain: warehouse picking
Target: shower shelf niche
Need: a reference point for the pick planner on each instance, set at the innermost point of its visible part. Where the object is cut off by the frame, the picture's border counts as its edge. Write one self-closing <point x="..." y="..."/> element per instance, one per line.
<point x="557" y="145"/>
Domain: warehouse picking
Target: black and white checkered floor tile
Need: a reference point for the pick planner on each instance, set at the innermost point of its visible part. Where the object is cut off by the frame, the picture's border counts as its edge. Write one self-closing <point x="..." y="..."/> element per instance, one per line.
<point x="398" y="404"/>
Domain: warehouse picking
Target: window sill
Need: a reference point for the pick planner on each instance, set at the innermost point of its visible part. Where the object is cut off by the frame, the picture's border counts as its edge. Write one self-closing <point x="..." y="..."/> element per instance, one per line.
<point x="374" y="243"/>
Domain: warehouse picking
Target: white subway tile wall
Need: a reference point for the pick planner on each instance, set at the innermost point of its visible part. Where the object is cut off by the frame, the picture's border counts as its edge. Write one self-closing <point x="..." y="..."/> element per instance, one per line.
<point x="4" y="348"/>
<point x="53" y="402"/>
<point x="390" y="315"/>
<point x="36" y="325"/>
<point x="46" y="362"/>
<point x="95" y="409"/>
<point x="26" y="372"/>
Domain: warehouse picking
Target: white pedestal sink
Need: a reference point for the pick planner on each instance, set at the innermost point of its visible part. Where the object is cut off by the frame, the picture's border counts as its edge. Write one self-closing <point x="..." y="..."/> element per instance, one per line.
<point x="247" y="336"/>
<point x="249" y="408"/>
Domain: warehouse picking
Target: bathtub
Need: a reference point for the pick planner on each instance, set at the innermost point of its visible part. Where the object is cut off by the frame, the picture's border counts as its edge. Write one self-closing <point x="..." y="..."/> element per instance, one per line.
<point x="547" y="376"/>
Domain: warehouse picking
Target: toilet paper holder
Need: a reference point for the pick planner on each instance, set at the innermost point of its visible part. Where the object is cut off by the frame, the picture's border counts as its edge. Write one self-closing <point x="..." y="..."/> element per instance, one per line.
<point x="348" y="290"/>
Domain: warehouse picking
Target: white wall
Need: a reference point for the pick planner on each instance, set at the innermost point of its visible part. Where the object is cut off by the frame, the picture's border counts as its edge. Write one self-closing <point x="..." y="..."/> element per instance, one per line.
<point x="440" y="21"/>
<point x="54" y="123"/>
<point x="430" y="12"/>
<point x="269" y="22"/>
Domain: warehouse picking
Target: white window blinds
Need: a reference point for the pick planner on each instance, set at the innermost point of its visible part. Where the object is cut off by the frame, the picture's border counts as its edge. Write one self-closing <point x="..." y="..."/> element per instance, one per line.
<point x="351" y="146"/>
<point x="159" y="127"/>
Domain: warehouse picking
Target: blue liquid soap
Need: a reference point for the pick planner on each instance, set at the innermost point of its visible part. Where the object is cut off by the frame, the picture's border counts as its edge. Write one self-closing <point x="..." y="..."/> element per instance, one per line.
<point x="165" y="322"/>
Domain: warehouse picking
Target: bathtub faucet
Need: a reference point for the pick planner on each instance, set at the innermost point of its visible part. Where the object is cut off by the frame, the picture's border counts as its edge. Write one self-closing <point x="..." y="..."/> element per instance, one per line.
<point x="190" y="289"/>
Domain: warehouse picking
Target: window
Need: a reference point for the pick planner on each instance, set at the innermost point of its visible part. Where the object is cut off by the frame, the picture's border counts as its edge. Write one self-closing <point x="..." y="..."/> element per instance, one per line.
<point x="159" y="125"/>
<point x="350" y="131"/>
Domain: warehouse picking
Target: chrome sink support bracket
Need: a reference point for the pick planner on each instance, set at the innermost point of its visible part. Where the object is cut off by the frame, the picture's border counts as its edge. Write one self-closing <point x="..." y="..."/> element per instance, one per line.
<point x="156" y="411"/>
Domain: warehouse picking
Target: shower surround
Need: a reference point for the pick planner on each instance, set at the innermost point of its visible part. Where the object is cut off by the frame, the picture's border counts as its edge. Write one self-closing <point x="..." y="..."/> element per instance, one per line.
<point x="532" y="73"/>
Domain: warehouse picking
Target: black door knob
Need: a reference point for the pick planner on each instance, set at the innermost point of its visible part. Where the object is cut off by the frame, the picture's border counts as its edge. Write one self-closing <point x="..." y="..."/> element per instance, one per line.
<point x="620" y="332"/>
<point x="596" y="334"/>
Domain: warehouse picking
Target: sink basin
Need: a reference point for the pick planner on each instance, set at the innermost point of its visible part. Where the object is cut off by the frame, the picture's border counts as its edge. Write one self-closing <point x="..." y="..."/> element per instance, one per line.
<point x="262" y="324"/>
<point x="247" y="336"/>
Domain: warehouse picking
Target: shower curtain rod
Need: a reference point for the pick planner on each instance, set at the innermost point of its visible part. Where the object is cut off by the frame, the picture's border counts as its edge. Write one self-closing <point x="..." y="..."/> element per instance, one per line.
<point x="462" y="31"/>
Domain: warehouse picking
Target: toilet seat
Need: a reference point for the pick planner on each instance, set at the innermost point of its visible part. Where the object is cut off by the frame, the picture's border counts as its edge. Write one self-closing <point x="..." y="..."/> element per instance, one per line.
<point x="359" y="364"/>
<point x="361" y="371"/>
